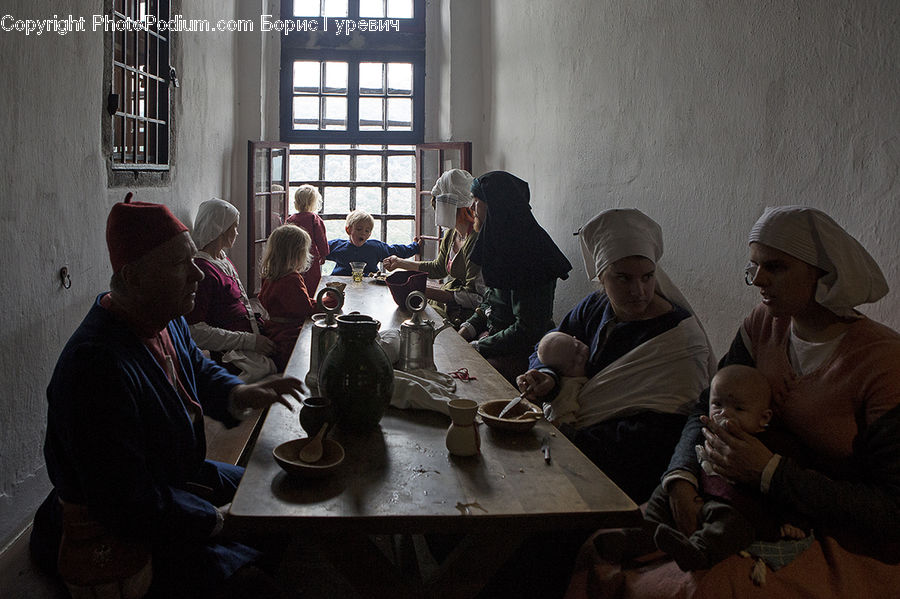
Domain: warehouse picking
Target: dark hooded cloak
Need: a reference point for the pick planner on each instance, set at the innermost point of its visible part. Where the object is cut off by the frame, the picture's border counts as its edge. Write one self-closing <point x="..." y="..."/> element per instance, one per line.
<point x="514" y="251"/>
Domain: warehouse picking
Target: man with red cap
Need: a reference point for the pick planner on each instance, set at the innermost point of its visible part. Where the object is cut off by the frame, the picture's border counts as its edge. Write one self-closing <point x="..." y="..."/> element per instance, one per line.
<point x="135" y="504"/>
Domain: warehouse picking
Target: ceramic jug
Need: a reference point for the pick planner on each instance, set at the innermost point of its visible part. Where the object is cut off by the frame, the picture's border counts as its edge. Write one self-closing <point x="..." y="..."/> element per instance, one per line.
<point x="462" y="436"/>
<point x="357" y="375"/>
<point x="324" y="334"/>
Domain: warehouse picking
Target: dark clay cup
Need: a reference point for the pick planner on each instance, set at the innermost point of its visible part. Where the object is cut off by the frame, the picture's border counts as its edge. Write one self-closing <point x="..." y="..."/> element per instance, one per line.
<point x="314" y="412"/>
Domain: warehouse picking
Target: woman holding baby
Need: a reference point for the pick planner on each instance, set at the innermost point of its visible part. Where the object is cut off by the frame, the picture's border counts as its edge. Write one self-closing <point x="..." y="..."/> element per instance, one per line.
<point x="835" y="377"/>
<point x="646" y="360"/>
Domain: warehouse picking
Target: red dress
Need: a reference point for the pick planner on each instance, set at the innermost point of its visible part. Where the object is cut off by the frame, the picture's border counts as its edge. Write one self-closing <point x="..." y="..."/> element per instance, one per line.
<point x="288" y="304"/>
<point x="318" y="249"/>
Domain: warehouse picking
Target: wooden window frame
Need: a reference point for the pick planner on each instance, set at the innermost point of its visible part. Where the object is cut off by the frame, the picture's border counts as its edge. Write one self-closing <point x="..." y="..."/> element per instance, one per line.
<point x="406" y="46"/>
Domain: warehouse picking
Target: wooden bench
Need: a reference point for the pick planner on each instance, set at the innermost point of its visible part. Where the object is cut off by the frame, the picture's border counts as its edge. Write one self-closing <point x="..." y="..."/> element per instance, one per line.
<point x="21" y="579"/>
<point x="232" y="445"/>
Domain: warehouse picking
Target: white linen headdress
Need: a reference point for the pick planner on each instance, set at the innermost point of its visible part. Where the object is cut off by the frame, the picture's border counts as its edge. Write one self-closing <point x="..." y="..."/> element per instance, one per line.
<point x="213" y="218"/>
<point x="452" y="190"/>
<point x="852" y="275"/>
<point x="618" y="233"/>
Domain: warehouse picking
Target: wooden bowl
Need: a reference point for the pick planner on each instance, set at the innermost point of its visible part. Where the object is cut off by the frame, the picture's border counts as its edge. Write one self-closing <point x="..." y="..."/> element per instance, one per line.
<point x="288" y="457"/>
<point x="490" y="409"/>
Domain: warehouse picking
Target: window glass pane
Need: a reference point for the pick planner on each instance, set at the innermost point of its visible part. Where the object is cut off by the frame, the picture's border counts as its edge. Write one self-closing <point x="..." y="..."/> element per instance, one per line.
<point x="399" y="78"/>
<point x="371" y="9"/>
<point x="376" y="232"/>
<point x="336" y="8"/>
<point x="375" y="148"/>
<point x="277" y="166"/>
<point x="400" y="114"/>
<point x="336" y="200"/>
<point x="400" y="200"/>
<point x="400" y="231"/>
<point x="307" y="77"/>
<point x="399" y="9"/>
<point x="335" y="78"/>
<point x="371" y="114"/>
<point x="369" y="199"/>
<point x="306" y="8"/>
<point x="402" y="168"/>
<point x="304" y="168"/>
<point x="335" y="229"/>
<point x="260" y="216"/>
<point x="368" y="168"/>
<point x="335" y="113"/>
<point x="371" y="78"/>
<point x="306" y="112"/>
<point x="337" y="168"/>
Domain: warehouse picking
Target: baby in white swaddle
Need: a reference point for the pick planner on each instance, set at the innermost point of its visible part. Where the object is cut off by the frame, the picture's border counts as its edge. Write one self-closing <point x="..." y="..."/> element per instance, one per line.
<point x="567" y="356"/>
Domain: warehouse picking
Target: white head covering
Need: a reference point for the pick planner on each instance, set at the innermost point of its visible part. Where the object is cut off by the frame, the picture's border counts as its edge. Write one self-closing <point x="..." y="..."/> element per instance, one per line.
<point x="452" y="190"/>
<point x="618" y="233"/>
<point x="213" y="218"/>
<point x="621" y="232"/>
<point x="852" y="275"/>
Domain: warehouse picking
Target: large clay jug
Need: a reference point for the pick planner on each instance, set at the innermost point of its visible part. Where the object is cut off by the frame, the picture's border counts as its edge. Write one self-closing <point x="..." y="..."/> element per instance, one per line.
<point x="357" y="375"/>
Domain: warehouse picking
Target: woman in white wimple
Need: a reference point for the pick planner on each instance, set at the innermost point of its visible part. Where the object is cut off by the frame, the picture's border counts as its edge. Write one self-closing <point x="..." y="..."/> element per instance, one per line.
<point x="222" y="321"/>
<point x="648" y="357"/>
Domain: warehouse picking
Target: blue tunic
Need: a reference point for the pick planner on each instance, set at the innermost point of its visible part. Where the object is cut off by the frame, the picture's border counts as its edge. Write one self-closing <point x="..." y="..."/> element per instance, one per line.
<point x="373" y="251"/>
<point x="120" y="441"/>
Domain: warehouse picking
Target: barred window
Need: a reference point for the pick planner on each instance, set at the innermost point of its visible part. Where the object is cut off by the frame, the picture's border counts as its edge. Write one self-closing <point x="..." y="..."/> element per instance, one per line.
<point x="139" y="96"/>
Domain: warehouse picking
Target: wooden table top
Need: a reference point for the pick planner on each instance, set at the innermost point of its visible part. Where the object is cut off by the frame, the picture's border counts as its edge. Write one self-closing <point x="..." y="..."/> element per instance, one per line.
<point x="400" y="478"/>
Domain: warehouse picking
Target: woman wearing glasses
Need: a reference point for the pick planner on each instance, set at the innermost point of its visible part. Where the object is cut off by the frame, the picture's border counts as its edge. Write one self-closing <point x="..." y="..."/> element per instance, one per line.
<point x="836" y="381"/>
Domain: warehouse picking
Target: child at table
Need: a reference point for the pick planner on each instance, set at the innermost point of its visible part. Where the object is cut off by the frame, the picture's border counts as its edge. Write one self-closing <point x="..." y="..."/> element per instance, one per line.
<point x="283" y="293"/>
<point x="307" y="201"/>
<point x="359" y="248"/>
<point x="567" y="356"/>
<point x="733" y="515"/>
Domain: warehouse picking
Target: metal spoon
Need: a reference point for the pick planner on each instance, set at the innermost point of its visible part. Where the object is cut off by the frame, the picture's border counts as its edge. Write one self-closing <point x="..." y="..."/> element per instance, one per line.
<point x="312" y="451"/>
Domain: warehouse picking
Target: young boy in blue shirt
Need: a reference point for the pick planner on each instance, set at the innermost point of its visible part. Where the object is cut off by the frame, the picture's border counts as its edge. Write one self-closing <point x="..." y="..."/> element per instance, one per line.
<point x="359" y="248"/>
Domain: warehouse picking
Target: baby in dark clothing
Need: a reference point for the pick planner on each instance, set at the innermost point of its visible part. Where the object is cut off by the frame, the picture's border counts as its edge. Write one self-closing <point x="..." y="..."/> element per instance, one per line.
<point x="733" y="515"/>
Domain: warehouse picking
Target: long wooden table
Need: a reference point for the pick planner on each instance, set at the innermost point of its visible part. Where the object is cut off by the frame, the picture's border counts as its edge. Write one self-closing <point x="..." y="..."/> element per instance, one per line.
<point x="400" y="479"/>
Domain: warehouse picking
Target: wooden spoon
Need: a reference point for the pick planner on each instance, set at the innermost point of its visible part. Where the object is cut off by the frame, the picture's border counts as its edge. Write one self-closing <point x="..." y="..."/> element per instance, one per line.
<point x="312" y="451"/>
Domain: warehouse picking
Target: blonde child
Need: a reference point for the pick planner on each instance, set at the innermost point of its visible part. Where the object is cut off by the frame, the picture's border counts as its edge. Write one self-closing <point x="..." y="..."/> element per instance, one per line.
<point x="284" y="294"/>
<point x="359" y="248"/>
<point x="307" y="202"/>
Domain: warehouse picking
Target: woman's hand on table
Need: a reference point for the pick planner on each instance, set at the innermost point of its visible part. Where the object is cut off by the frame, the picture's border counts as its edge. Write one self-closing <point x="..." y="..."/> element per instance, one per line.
<point x="535" y="384"/>
<point x="685" y="503"/>
<point x="265" y="393"/>
<point x="264" y="345"/>
<point x="735" y="454"/>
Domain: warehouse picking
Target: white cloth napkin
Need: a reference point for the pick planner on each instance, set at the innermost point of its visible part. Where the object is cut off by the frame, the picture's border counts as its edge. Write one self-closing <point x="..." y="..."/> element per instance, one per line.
<point x="423" y="390"/>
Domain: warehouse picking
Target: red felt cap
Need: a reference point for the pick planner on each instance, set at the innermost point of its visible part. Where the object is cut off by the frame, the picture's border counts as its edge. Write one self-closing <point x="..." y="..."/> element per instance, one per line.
<point x="135" y="228"/>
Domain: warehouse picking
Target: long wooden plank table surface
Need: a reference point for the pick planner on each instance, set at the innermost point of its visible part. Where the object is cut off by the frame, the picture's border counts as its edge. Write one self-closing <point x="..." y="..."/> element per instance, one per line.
<point x="400" y="478"/>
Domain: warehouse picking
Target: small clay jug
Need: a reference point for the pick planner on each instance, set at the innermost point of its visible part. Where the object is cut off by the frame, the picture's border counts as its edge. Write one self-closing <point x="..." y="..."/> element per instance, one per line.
<point x="462" y="436"/>
<point x="314" y="412"/>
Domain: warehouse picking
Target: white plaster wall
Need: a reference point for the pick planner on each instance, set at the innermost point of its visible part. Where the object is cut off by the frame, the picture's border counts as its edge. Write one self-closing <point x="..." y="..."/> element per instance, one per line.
<point x="700" y="114"/>
<point x="454" y="56"/>
<point x="54" y="200"/>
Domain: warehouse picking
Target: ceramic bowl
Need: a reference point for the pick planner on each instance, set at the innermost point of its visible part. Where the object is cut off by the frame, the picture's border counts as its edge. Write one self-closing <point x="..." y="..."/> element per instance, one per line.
<point x="340" y="286"/>
<point x="490" y="409"/>
<point x="288" y="457"/>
